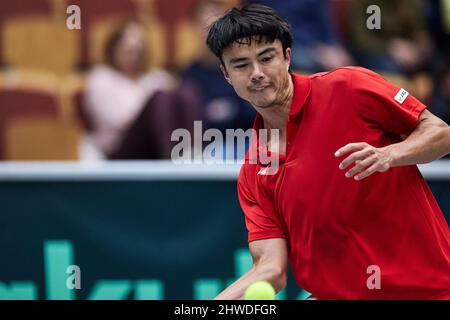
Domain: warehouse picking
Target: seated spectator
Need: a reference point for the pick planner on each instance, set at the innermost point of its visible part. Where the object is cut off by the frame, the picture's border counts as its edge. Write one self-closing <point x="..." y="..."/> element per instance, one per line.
<point x="117" y="92"/>
<point x="440" y="101"/>
<point x="316" y="46"/>
<point x="439" y="26"/>
<point x="402" y="43"/>
<point x="221" y="108"/>
<point x="150" y="135"/>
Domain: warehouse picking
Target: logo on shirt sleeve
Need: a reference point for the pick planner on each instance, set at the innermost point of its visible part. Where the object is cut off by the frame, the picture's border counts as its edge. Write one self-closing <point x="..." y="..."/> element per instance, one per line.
<point x="401" y="95"/>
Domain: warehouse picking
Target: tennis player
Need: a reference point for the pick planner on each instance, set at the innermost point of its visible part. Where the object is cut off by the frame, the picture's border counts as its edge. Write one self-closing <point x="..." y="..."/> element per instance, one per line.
<point x="348" y="207"/>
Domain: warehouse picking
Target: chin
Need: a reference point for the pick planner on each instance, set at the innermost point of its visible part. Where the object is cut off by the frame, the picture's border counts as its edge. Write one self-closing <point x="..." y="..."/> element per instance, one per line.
<point x="263" y="104"/>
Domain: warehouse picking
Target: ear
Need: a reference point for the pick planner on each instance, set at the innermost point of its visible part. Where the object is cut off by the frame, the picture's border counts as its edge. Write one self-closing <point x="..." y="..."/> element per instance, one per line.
<point x="288" y="57"/>
<point x="225" y="73"/>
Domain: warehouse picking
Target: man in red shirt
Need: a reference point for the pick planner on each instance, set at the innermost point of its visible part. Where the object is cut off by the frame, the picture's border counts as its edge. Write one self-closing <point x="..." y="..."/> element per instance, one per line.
<point x="347" y="207"/>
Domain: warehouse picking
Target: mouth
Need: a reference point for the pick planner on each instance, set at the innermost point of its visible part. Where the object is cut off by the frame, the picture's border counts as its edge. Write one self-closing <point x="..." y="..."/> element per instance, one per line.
<point x="259" y="88"/>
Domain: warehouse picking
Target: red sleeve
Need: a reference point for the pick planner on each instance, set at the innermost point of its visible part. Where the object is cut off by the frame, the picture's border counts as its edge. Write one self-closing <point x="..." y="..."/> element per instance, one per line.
<point x="379" y="102"/>
<point x="261" y="220"/>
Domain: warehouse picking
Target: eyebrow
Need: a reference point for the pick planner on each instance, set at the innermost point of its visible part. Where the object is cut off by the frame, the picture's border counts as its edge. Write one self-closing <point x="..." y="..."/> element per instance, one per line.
<point x="237" y="60"/>
<point x="267" y="50"/>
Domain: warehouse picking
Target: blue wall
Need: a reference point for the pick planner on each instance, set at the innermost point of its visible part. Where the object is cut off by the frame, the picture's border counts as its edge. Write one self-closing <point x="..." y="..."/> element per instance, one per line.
<point x="131" y="239"/>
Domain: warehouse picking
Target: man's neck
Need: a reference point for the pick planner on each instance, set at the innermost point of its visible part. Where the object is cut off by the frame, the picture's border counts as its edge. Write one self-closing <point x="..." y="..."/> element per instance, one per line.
<point x="276" y="116"/>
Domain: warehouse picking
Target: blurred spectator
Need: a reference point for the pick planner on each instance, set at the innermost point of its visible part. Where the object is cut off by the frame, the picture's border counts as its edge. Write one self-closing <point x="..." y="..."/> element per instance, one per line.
<point x="401" y="45"/>
<point x="316" y="46"/>
<point x="439" y="26"/>
<point x="116" y="93"/>
<point x="440" y="101"/>
<point x="221" y="108"/>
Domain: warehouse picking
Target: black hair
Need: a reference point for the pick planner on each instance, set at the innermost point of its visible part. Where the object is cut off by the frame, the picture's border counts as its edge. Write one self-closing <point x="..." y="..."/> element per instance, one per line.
<point x="113" y="40"/>
<point x="253" y="22"/>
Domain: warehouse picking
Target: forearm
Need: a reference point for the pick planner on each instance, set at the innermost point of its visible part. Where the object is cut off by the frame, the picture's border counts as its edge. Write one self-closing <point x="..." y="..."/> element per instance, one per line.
<point x="428" y="142"/>
<point x="236" y="290"/>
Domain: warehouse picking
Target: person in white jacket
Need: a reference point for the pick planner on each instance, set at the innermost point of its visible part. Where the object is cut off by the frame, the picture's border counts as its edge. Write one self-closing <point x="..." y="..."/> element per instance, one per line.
<point x="117" y="92"/>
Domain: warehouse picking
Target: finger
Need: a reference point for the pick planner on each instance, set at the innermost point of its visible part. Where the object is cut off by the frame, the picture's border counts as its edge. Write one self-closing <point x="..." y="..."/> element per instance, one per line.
<point x="369" y="171"/>
<point x="360" y="166"/>
<point x="359" y="155"/>
<point x="350" y="147"/>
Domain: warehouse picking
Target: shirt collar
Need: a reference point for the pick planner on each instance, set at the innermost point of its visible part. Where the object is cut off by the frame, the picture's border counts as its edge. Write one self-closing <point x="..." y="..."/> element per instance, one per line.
<point x="302" y="89"/>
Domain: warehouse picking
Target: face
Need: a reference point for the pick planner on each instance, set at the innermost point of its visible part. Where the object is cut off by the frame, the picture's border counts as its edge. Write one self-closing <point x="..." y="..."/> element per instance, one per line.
<point x="130" y="51"/>
<point x="258" y="72"/>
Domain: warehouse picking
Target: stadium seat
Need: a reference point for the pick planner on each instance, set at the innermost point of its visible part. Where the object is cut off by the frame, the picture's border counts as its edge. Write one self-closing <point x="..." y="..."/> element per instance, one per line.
<point x="72" y="101"/>
<point x="40" y="139"/>
<point x="182" y="42"/>
<point x="14" y="9"/>
<point x="101" y="29"/>
<point x="26" y="95"/>
<point x="171" y="39"/>
<point x="25" y="7"/>
<point x="40" y="44"/>
<point x="188" y="44"/>
<point x="93" y="11"/>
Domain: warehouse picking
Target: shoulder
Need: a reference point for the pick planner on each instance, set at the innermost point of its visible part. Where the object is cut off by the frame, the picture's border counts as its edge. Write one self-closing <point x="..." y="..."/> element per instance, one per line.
<point x="159" y="76"/>
<point x="347" y="80"/>
<point x="344" y="74"/>
<point x="101" y="75"/>
<point x="101" y="71"/>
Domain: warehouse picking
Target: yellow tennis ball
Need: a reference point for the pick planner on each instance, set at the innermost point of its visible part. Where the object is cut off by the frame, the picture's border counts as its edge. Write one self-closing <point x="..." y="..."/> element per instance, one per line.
<point x="260" y="290"/>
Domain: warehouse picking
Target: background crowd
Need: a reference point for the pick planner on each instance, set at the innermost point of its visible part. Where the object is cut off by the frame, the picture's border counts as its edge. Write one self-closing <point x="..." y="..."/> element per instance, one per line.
<point x="139" y="69"/>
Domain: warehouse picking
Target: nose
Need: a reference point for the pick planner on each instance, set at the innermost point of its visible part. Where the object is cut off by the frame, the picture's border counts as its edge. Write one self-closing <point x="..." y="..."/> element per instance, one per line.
<point x="257" y="73"/>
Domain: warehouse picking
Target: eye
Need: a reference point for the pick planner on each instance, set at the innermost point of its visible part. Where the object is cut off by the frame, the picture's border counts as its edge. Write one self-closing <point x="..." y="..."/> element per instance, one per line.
<point x="240" y="66"/>
<point x="267" y="59"/>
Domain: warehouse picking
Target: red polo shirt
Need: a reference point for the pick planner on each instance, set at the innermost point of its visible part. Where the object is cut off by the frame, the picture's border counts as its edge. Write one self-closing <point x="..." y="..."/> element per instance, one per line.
<point x="337" y="228"/>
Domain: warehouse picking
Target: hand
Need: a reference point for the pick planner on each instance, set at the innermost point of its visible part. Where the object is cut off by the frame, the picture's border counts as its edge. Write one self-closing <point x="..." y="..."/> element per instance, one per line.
<point x="367" y="159"/>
